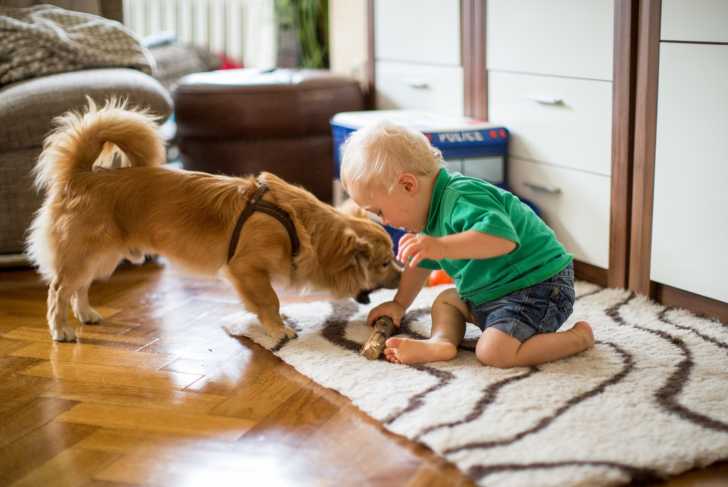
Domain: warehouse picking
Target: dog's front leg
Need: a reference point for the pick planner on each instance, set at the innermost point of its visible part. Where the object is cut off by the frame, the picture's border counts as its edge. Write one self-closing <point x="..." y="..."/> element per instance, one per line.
<point x="58" y="298"/>
<point x="257" y="294"/>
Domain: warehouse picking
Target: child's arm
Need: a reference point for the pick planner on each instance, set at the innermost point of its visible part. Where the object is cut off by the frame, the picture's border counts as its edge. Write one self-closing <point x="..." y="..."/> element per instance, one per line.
<point x="466" y="245"/>
<point x="410" y="284"/>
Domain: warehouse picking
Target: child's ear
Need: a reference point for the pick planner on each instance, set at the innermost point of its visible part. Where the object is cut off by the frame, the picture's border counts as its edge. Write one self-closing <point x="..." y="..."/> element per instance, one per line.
<point x="408" y="181"/>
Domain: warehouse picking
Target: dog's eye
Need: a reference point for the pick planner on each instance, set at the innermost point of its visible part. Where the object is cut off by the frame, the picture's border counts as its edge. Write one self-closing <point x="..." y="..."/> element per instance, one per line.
<point x="385" y="264"/>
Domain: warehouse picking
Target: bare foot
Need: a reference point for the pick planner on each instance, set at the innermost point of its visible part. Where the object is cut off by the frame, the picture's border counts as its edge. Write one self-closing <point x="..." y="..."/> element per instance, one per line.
<point x="409" y="351"/>
<point x="583" y="330"/>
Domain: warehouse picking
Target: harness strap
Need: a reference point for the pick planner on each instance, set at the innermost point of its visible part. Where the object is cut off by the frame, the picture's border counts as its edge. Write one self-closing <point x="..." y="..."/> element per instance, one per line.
<point x="256" y="204"/>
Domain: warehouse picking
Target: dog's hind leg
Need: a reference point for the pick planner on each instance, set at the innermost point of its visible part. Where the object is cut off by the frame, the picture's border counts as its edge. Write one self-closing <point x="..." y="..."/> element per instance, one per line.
<point x="258" y="296"/>
<point x="59" y="294"/>
<point x="103" y="268"/>
<point x="81" y="307"/>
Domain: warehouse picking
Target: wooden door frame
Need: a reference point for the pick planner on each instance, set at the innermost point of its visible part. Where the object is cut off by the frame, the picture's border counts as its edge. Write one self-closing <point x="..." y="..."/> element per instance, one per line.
<point x="472" y="42"/>
<point x="370" y="95"/>
<point x="624" y="77"/>
<point x="648" y="54"/>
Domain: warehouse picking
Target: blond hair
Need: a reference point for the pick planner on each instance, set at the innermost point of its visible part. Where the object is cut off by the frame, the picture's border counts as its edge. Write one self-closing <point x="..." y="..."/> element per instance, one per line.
<point x="380" y="152"/>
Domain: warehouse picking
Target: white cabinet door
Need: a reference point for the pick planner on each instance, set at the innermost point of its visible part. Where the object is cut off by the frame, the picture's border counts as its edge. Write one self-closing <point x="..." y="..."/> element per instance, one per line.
<point x="694" y="20"/>
<point x="419" y="31"/>
<point x="575" y="204"/>
<point x="417" y="86"/>
<point x="557" y="37"/>
<point x="563" y="121"/>
<point x="690" y="213"/>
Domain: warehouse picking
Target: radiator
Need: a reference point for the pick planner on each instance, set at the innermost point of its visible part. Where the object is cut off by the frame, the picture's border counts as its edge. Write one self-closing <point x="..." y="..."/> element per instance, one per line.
<point x="244" y="30"/>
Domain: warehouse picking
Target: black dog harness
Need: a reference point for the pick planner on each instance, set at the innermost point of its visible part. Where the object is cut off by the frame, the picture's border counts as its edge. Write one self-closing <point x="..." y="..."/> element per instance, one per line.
<point x="257" y="204"/>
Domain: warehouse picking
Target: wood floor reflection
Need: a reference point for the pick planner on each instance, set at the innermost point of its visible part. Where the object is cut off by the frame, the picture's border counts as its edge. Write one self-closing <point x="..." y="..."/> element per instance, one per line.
<point x="159" y="395"/>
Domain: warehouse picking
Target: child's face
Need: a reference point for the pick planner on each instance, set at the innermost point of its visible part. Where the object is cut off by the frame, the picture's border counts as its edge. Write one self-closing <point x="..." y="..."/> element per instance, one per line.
<point x="405" y="207"/>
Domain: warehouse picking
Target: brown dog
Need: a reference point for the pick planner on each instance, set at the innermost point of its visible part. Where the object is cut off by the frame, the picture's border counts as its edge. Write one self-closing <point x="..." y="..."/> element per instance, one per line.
<point x="92" y="218"/>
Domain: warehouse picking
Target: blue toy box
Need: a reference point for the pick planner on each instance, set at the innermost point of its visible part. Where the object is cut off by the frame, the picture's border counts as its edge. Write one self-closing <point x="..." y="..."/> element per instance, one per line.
<point x="469" y="146"/>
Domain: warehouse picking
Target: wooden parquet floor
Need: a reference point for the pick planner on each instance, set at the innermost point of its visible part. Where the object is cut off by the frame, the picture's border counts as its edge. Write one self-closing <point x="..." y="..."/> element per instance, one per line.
<point x="159" y="395"/>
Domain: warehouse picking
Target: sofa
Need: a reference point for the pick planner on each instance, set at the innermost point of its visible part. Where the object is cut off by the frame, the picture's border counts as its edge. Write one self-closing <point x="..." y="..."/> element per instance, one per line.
<point x="27" y="109"/>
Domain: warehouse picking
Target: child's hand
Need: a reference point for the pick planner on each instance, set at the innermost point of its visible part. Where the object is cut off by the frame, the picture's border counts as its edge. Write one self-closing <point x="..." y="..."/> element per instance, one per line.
<point x="415" y="247"/>
<point x="391" y="308"/>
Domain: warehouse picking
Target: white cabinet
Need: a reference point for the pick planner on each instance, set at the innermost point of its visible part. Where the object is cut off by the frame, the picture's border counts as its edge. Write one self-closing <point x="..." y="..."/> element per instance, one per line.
<point x="419" y="86"/>
<point x="549" y="68"/>
<point x="564" y="121"/>
<point x="574" y="204"/>
<point x="418" y="31"/>
<point x="418" y="55"/>
<point x="694" y="20"/>
<point x="556" y="37"/>
<point x="690" y="207"/>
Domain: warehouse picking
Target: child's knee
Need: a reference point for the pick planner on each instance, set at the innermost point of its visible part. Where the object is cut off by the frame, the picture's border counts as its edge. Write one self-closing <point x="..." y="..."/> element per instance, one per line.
<point x="495" y="350"/>
<point x="450" y="297"/>
<point x="495" y="359"/>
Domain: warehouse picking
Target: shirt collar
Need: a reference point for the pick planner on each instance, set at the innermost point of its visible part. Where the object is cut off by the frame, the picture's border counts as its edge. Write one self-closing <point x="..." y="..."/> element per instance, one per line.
<point x="438" y="189"/>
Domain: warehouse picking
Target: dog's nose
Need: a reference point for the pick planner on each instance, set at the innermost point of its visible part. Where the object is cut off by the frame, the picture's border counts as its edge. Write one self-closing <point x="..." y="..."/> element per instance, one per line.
<point x="363" y="297"/>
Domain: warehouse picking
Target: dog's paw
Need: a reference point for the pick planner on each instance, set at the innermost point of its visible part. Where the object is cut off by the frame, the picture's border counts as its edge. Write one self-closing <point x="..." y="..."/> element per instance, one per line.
<point x="290" y="332"/>
<point x="282" y="333"/>
<point x="88" y="316"/>
<point x="63" y="334"/>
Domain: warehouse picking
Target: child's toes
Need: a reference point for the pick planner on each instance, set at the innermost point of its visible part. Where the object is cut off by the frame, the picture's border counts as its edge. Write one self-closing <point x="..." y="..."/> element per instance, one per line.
<point x="391" y="355"/>
<point x="393" y="359"/>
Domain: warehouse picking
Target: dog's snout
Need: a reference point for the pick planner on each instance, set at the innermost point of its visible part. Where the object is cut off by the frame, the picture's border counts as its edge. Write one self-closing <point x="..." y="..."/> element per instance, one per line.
<point x="393" y="276"/>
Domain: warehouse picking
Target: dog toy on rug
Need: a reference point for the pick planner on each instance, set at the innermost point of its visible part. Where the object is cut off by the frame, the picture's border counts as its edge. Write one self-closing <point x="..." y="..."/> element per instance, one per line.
<point x="383" y="329"/>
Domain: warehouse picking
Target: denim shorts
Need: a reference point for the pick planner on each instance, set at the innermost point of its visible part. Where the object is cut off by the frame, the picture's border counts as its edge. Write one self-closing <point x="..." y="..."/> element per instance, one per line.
<point x="541" y="308"/>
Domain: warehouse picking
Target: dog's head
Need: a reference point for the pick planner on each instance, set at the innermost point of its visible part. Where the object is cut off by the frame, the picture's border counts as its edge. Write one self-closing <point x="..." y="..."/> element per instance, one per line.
<point x="367" y="261"/>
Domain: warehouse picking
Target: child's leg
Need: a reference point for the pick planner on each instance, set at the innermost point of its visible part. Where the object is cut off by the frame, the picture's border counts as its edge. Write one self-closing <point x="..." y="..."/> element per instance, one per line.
<point x="498" y="349"/>
<point x="448" y="328"/>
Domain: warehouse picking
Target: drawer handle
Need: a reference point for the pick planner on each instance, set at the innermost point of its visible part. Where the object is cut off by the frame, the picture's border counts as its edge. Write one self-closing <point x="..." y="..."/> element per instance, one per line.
<point x="417" y="84"/>
<point x="547" y="100"/>
<point x="543" y="188"/>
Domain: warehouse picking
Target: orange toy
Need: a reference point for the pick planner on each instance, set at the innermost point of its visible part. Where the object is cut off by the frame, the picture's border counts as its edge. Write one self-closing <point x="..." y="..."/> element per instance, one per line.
<point x="439" y="277"/>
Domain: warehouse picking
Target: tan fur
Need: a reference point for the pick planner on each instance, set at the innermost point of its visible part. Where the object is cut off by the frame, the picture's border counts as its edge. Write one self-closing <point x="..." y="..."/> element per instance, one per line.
<point x="349" y="207"/>
<point x="94" y="217"/>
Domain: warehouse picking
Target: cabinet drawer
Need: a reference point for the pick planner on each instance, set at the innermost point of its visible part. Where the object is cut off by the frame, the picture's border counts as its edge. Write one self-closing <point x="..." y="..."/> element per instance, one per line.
<point x="400" y="25"/>
<point x="489" y="168"/>
<point x="573" y="203"/>
<point x="421" y="87"/>
<point x="689" y="219"/>
<point x="558" y="37"/>
<point x="694" y="20"/>
<point x="562" y="121"/>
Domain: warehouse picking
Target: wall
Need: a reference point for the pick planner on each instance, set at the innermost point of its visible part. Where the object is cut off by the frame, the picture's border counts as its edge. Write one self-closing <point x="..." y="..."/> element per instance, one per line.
<point x="348" y="37"/>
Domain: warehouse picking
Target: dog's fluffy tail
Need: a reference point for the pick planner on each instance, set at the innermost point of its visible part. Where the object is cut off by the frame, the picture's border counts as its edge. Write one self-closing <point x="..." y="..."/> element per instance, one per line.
<point x="79" y="138"/>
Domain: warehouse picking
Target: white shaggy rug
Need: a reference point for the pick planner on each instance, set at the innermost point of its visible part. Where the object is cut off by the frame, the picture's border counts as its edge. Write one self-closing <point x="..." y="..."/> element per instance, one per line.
<point x="650" y="400"/>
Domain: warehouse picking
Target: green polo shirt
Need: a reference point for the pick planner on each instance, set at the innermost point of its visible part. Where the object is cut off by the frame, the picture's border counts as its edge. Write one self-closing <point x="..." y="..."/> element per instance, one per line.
<point x="461" y="204"/>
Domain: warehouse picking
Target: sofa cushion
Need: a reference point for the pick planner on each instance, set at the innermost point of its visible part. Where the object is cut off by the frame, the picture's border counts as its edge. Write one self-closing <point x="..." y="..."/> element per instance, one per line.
<point x="18" y="198"/>
<point x="27" y="107"/>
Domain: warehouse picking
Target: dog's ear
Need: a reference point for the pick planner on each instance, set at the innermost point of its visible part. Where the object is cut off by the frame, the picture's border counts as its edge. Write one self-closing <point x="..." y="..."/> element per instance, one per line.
<point x="355" y="250"/>
<point x="362" y="251"/>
